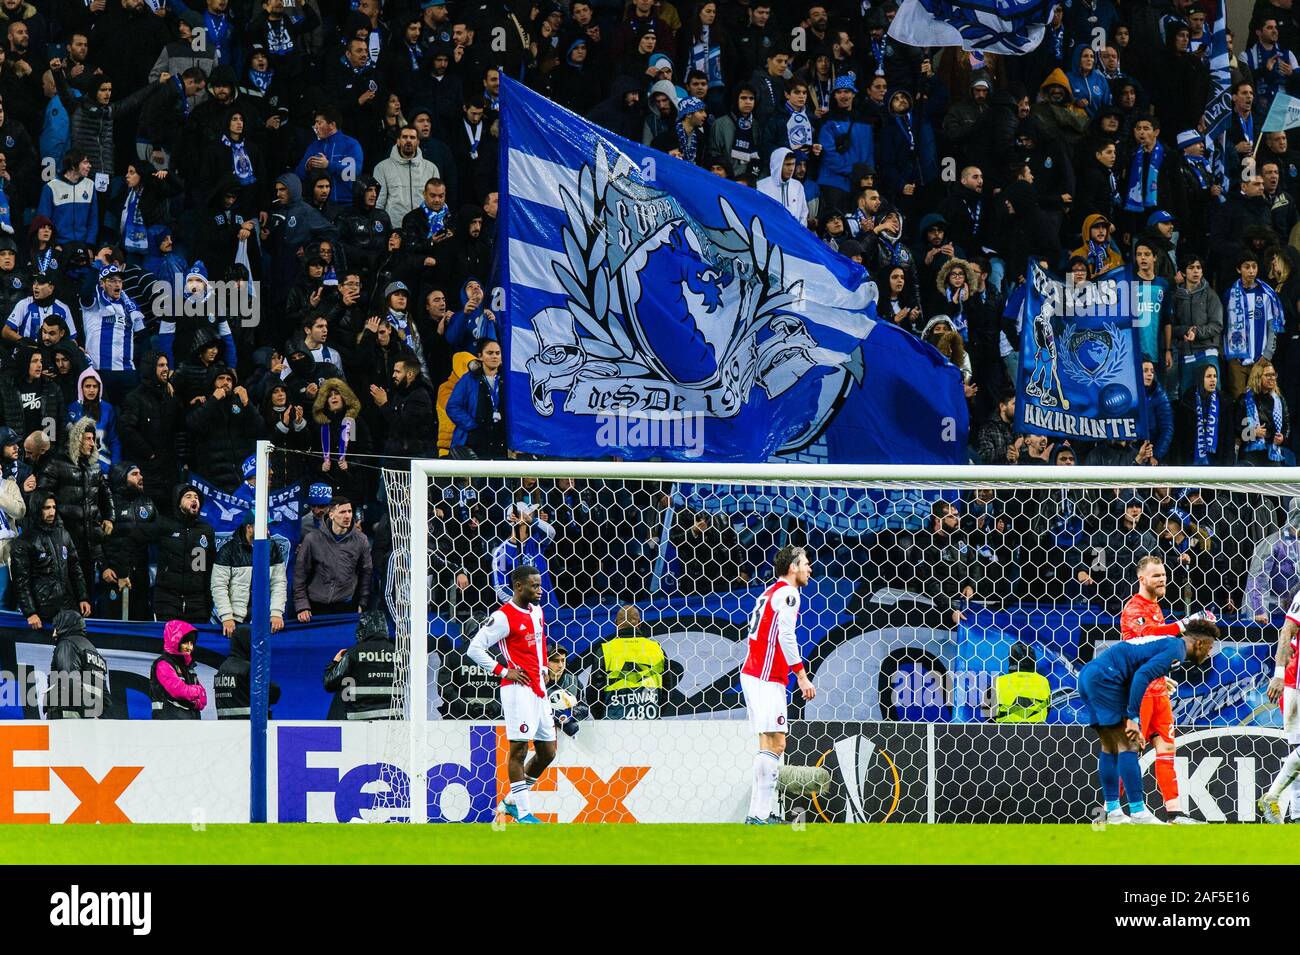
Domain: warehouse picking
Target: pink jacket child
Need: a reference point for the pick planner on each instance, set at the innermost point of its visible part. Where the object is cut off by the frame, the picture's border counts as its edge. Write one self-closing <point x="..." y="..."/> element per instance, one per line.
<point x="174" y="684"/>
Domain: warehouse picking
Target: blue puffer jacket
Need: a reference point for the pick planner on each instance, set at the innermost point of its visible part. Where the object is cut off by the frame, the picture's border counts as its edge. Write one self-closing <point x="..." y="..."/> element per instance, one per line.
<point x="1160" y="421"/>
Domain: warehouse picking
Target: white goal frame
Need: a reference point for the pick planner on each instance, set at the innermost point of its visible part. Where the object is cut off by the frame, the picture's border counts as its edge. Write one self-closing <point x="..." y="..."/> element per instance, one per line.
<point x="930" y="477"/>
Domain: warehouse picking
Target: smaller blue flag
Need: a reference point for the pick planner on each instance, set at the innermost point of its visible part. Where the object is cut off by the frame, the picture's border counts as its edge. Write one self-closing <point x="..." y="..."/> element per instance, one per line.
<point x="1080" y="361"/>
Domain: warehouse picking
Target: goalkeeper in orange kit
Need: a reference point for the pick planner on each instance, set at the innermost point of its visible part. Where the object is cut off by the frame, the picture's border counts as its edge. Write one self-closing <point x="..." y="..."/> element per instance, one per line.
<point x="1142" y="617"/>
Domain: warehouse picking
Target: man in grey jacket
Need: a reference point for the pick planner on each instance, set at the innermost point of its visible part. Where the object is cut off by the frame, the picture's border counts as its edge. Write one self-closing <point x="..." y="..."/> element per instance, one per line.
<point x="402" y="175"/>
<point x="1197" y="326"/>
<point x="332" y="570"/>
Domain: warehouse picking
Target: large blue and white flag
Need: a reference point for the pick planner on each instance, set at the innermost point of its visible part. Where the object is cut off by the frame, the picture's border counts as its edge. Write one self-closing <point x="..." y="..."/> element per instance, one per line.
<point x="1080" y="360"/>
<point x="656" y="310"/>
<point x="1008" y="27"/>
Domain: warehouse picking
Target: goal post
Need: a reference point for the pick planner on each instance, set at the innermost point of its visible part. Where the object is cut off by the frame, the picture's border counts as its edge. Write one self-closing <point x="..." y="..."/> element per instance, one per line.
<point x="928" y="580"/>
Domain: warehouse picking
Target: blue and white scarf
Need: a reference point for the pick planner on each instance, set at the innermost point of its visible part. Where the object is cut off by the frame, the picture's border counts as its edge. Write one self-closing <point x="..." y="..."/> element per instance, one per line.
<point x="959" y="323"/>
<point x="1200" y="168"/>
<point x="134" y="236"/>
<point x="1098" y="255"/>
<point x="261" y="79"/>
<point x="1252" y="422"/>
<point x="1246" y="334"/>
<point x="1142" y="192"/>
<point x="1207" y="426"/>
<point x="689" y="142"/>
<point x="242" y="164"/>
<point x="437" y="220"/>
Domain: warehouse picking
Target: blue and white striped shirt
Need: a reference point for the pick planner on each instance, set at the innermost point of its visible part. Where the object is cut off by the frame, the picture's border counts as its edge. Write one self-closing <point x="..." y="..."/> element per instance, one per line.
<point x="28" y="314"/>
<point x="110" y="327"/>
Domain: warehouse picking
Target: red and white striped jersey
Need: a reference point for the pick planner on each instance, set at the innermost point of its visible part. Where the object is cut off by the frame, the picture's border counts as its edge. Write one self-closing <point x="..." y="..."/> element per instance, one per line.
<point x="1293" y="614"/>
<point x="773" y="649"/>
<point x="521" y="635"/>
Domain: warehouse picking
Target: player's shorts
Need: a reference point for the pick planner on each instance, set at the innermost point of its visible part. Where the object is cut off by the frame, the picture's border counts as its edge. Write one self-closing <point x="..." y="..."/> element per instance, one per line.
<point x="527" y="716"/>
<point x="1104" y="700"/>
<point x="1157" y="717"/>
<point x="766" y="703"/>
<point x="1291" y="714"/>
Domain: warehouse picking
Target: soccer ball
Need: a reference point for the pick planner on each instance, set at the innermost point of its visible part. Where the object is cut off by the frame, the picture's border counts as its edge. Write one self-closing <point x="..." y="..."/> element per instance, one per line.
<point x="562" y="704"/>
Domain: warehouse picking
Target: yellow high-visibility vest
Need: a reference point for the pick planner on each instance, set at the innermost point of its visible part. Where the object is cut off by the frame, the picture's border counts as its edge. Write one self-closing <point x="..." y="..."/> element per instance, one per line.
<point x="633" y="663"/>
<point x="1022" y="698"/>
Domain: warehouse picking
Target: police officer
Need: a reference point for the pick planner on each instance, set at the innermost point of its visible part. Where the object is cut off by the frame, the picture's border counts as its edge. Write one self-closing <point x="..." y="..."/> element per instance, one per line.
<point x="363" y="675"/>
<point x="232" y="686"/>
<point x="628" y="673"/>
<point x="1021" y="695"/>
<point x="79" y="688"/>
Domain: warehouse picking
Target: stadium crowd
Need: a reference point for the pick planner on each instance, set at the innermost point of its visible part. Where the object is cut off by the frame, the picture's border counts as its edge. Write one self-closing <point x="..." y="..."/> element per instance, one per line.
<point x="230" y="221"/>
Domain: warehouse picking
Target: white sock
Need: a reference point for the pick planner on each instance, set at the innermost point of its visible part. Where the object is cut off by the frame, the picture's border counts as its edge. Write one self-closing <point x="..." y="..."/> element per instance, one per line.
<point x="519" y="795"/>
<point x="766" y="765"/>
<point x="1286" y="775"/>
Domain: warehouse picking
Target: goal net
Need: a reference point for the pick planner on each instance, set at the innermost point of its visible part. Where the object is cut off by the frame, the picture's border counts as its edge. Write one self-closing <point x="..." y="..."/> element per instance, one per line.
<point x="948" y="617"/>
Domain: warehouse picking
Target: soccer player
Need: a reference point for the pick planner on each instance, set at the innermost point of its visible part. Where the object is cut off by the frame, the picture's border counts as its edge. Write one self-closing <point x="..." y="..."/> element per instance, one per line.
<point x="773" y="653"/>
<point x="1112" y="686"/>
<point x="1283" y="686"/>
<point x="1142" y="617"/>
<point x="519" y="629"/>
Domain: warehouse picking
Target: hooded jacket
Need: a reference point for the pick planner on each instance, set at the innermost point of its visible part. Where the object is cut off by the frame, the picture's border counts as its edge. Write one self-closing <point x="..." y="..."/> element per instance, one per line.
<point x="187" y="550"/>
<point x="135" y="515"/>
<point x="221" y="433"/>
<point x="81" y="490"/>
<point x="1091" y="87"/>
<point x="613" y="115"/>
<point x="788" y="192"/>
<point x="105" y="418"/>
<point x="364" y="232"/>
<point x="45" y="402"/>
<point x="466" y="326"/>
<point x="1159" y="420"/>
<point x="79" y="682"/>
<point x="899" y="159"/>
<point x="147" y="426"/>
<point x="232" y="577"/>
<point x="1066" y="123"/>
<point x="46" y="574"/>
<point x="335" y="431"/>
<point x="174" y="685"/>
<point x="293" y="225"/>
<point x="1111" y="257"/>
<point x="401" y="182"/>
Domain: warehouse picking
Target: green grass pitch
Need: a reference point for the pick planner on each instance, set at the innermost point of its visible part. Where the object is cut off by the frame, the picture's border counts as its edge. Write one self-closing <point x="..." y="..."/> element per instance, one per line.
<point x="660" y="844"/>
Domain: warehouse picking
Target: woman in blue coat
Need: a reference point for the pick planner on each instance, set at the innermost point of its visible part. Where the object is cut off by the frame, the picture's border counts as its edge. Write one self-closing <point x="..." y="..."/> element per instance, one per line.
<point x="1088" y="88"/>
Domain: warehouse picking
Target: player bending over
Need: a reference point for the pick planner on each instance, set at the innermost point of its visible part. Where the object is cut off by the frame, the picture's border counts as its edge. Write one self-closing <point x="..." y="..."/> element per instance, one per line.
<point x="773" y="653"/>
<point x="1283" y="686"/>
<point x="1112" y="686"/>
<point x="520" y="631"/>
<point x="1142" y="617"/>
